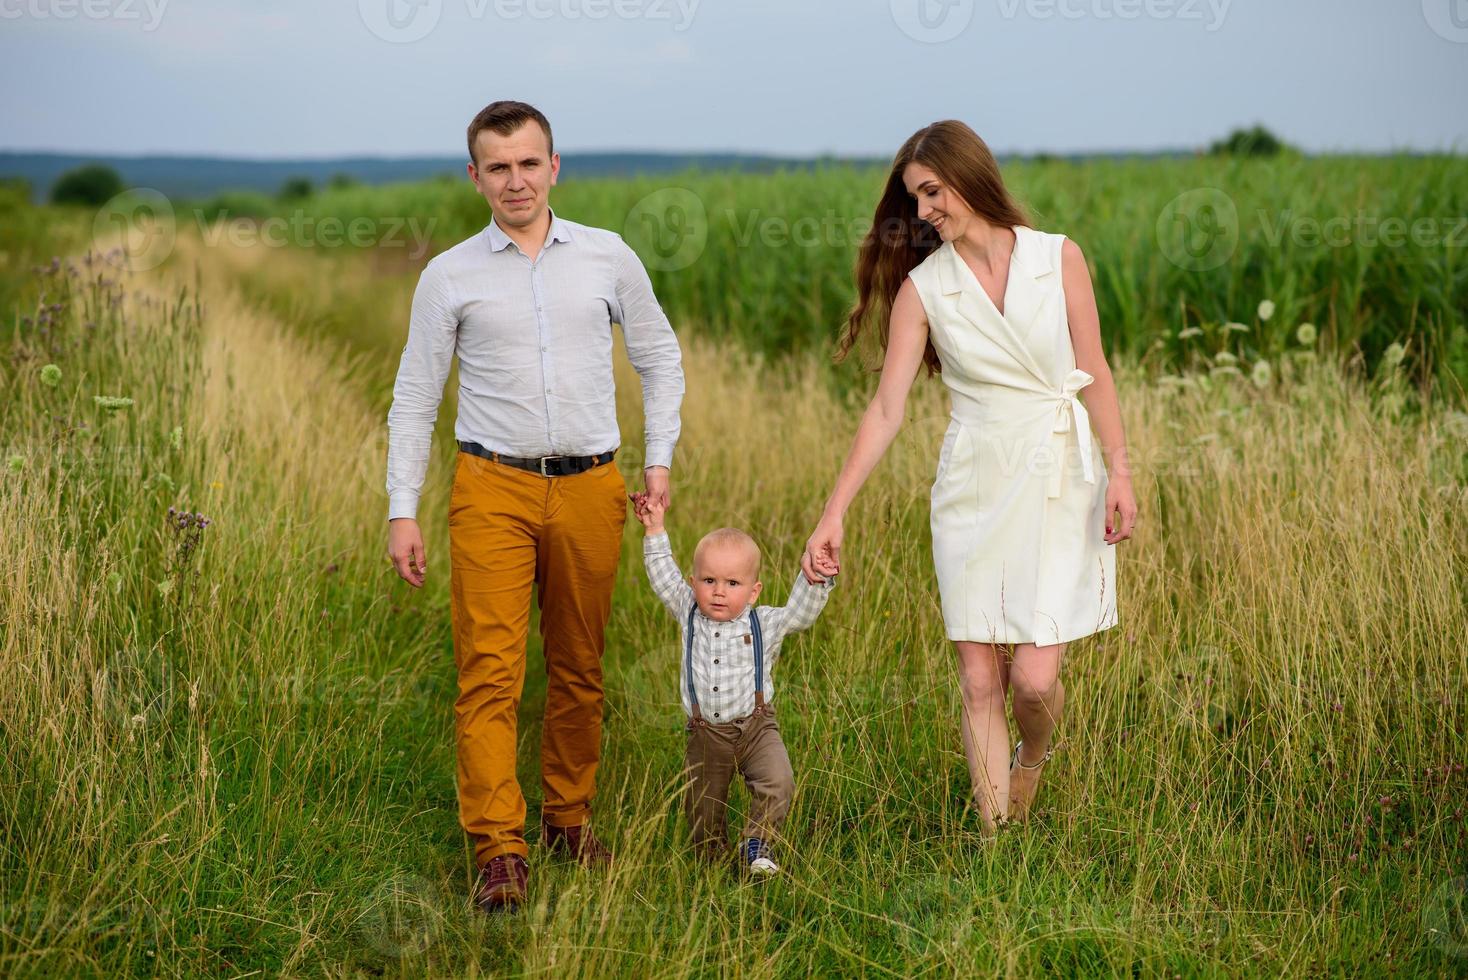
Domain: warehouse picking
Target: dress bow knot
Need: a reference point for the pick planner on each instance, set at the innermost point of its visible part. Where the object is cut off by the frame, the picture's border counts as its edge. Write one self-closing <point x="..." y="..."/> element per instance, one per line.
<point x="1069" y="407"/>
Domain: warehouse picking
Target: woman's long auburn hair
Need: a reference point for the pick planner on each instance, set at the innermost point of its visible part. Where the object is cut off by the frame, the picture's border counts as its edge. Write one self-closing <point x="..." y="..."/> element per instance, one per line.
<point x="899" y="240"/>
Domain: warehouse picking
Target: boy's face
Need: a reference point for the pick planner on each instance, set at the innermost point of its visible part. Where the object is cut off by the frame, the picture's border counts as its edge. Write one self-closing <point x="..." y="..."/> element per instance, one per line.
<point x="724" y="581"/>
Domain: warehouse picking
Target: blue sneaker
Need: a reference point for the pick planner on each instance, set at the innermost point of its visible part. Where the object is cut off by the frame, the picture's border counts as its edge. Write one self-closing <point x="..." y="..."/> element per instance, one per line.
<point x="754" y="856"/>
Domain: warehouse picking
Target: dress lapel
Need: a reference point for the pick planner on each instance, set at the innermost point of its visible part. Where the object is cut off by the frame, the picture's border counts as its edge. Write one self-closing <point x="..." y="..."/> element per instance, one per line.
<point x="1029" y="290"/>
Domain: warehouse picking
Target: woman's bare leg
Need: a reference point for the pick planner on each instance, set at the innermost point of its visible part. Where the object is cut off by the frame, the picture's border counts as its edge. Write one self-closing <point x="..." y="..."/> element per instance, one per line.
<point x="983" y="674"/>
<point x="1039" y="698"/>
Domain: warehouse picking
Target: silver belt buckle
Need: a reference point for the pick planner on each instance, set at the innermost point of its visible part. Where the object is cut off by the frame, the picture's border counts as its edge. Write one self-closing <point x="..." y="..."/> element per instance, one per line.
<point x="542" y="464"/>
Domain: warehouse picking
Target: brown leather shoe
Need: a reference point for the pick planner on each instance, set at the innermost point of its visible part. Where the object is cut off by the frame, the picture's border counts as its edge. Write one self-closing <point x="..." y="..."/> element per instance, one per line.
<point x="502" y="883"/>
<point x="577" y="842"/>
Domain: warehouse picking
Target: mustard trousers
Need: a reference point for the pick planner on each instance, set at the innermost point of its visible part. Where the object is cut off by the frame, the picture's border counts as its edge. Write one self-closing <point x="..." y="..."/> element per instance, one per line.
<point x="509" y="530"/>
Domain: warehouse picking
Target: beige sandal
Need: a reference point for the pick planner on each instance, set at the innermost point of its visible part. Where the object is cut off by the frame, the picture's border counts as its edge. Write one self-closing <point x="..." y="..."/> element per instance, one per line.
<point x="1022" y="790"/>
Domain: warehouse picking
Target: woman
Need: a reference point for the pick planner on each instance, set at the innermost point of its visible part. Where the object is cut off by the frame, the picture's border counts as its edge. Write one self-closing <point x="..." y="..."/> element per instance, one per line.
<point x="954" y="278"/>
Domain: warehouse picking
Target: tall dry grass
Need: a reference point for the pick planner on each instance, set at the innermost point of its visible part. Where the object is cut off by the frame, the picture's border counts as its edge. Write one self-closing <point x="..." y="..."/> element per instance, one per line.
<point x="251" y="769"/>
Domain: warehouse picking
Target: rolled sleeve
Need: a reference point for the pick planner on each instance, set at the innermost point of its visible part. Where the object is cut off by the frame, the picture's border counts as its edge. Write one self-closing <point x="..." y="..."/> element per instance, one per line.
<point x="424" y="368"/>
<point x="652" y="346"/>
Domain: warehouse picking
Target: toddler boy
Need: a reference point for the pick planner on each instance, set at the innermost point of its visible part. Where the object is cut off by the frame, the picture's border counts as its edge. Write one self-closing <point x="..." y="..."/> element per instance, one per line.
<point x="729" y="648"/>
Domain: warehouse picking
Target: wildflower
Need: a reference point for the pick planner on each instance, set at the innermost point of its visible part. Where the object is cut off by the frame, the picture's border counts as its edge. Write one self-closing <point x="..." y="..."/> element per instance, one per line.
<point x="1187" y="332"/>
<point x="1236" y="326"/>
<point x="1305" y="334"/>
<point x="115" y="581"/>
<point x="1266" y="309"/>
<point x="16" y="463"/>
<point x="1393" y="355"/>
<point x="165" y="587"/>
<point x="50" y="375"/>
<point x="1225" y="357"/>
<point x="1223" y="369"/>
<point x="216" y="485"/>
<point x="112" y="402"/>
<point x="1261" y="374"/>
<point x="175" y="438"/>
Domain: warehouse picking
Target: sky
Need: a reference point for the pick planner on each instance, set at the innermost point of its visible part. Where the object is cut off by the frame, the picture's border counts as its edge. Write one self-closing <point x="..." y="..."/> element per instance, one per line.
<point x="295" y="78"/>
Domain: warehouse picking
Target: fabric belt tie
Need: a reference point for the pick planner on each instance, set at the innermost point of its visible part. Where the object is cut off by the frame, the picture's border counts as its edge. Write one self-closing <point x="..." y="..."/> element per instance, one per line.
<point x="1068" y="407"/>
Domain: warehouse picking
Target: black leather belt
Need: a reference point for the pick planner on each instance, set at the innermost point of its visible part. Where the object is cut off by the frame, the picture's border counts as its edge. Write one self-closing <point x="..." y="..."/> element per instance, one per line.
<point x="544" y="465"/>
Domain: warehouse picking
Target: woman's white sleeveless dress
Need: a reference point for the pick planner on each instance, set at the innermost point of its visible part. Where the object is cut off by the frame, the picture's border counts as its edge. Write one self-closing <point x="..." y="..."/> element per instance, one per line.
<point x="1019" y="502"/>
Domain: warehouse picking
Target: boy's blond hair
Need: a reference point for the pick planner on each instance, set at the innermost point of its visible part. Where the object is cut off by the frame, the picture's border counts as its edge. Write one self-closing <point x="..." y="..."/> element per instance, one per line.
<point x="726" y="536"/>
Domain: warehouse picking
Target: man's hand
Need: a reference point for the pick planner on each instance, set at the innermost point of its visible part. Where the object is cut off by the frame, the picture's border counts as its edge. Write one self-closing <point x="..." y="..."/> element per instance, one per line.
<point x="405" y="550"/>
<point x="655" y="478"/>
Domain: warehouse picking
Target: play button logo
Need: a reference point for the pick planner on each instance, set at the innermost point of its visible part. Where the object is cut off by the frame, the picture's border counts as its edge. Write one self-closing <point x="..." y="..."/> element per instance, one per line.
<point x="400" y="21"/>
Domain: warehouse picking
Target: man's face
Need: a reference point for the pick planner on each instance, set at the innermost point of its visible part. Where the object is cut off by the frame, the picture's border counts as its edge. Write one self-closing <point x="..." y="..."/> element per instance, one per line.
<point x="724" y="581"/>
<point x="515" y="173"/>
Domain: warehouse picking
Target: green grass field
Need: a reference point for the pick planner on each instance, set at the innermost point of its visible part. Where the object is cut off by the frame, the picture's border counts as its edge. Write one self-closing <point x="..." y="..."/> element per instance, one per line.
<point x="227" y="749"/>
<point x="1370" y="250"/>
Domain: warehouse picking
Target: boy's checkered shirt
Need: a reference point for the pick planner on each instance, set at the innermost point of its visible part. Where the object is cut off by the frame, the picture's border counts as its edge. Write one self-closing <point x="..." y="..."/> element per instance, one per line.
<point x="723" y="653"/>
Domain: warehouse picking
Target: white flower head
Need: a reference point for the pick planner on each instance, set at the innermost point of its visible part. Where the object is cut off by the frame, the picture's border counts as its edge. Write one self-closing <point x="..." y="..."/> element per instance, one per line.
<point x="1261" y="374"/>
<point x="1226" y="357"/>
<point x="1266" y="309"/>
<point x="1236" y="326"/>
<point x="1187" y="332"/>
<point x="1393" y="355"/>
<point x="1305" y="334"/>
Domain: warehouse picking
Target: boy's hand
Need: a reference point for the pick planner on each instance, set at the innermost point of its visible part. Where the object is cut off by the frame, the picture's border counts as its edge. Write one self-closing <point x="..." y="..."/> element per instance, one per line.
<point x="649" y="509"/>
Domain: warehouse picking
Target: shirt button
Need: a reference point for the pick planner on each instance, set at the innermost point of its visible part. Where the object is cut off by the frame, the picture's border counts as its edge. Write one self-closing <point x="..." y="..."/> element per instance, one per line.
<point x="716" y="634"/>
<point x="716" y="689"/>
<point x="716" y="660"/>
<point x="716" y="714"/>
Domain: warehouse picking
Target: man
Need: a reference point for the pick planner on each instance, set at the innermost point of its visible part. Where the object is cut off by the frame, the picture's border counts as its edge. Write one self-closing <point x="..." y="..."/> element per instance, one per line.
<point x="528" y="306"/>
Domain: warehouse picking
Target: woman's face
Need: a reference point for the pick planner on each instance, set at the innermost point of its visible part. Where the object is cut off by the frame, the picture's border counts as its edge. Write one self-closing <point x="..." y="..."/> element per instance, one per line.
<point x="937" y="204"/>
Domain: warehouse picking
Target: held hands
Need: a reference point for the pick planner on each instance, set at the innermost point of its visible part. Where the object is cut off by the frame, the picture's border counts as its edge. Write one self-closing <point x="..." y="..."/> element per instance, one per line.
<point x="822" y="557"/>
<point x="649" y="508"/>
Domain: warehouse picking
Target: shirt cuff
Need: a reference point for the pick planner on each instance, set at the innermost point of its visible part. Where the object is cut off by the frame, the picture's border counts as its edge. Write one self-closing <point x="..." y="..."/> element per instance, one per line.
<point x="403" y="503"/>
<point x="659" y="454"/>
<point x="656" y="543"/>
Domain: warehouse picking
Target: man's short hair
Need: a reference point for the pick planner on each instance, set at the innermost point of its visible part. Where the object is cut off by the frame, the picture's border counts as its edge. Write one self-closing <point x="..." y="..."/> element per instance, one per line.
<point x="504" y="118"/>
<point x="727" y="536"/>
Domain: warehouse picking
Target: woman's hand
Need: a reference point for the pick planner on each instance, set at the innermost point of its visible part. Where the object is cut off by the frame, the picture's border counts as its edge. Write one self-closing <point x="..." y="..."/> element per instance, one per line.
<point x="822" y="557"/>
<point x="1119" y="498"/>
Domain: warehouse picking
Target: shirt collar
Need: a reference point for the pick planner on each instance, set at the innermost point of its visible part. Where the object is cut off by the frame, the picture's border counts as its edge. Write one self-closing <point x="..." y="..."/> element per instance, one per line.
<point x="560" y="231"/>
<point x="741" y="620"/>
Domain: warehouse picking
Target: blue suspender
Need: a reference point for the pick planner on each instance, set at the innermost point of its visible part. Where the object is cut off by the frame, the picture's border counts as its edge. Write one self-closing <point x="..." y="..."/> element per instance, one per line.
<point x="688" y="659"/>
<point x="759" y="660"/>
